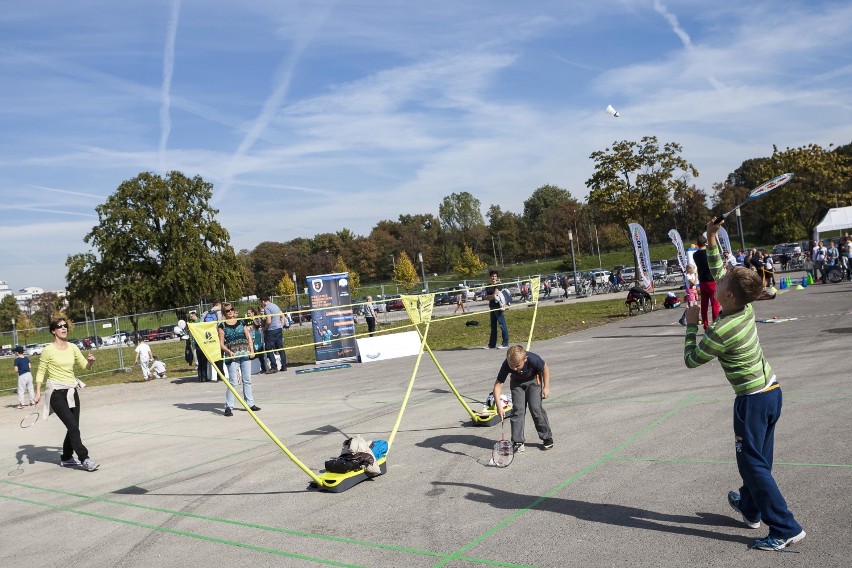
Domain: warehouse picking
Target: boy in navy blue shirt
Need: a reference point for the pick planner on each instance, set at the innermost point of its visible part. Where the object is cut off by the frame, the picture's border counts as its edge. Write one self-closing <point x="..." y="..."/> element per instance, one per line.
<point x="530" y="384"/>
<point x="25" y="376"/>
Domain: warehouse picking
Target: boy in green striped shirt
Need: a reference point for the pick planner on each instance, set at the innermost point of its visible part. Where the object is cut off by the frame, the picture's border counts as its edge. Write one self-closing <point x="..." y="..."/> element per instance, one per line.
<point x="733" y="340"/>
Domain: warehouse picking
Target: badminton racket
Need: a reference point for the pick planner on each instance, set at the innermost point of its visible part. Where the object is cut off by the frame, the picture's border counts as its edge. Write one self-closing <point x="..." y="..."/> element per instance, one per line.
<point x="502" y="454"/>
<point x="29" y="419"/>
<point x="762" y="189"/>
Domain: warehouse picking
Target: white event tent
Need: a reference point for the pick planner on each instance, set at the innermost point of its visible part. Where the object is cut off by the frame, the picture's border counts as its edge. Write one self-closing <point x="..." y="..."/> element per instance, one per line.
<point x="835" y="219"/>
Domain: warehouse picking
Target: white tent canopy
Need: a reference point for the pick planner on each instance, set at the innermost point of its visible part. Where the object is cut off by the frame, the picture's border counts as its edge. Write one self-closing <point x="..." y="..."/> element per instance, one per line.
<point x="835" y="219"/>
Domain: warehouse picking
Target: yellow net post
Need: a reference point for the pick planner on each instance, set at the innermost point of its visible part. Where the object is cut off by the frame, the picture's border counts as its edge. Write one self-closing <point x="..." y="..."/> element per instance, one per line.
<point x="206" y="335"/>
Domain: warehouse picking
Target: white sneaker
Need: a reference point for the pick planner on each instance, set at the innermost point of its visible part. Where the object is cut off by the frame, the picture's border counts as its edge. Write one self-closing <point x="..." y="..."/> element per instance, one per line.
<point x="502" y="347"/>
<point x="90" y="465"/>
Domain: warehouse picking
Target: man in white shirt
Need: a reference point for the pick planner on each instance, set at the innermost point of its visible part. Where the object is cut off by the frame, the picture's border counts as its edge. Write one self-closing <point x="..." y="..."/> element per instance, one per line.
<point x="143" y="357"/>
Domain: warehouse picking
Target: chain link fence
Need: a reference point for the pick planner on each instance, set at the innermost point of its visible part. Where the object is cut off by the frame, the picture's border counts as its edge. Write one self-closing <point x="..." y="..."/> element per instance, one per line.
<point x="113" y="340"/>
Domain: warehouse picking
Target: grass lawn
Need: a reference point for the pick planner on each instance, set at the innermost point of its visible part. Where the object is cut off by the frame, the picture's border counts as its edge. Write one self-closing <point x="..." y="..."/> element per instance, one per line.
<point x="552" y="320"/>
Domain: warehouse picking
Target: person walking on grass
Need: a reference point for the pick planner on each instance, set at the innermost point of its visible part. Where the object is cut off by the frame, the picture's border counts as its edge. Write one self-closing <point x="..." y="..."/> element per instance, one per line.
<point x="57" y="363"/>
<point x="757" y="404"/>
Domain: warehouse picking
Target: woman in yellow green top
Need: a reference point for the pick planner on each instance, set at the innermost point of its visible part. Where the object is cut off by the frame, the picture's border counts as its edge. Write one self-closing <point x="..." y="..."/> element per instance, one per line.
<point x="57" y="365"/>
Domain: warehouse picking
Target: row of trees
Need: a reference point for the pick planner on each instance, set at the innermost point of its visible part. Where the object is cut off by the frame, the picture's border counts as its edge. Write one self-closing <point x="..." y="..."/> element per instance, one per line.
<point x="157" y="243"/>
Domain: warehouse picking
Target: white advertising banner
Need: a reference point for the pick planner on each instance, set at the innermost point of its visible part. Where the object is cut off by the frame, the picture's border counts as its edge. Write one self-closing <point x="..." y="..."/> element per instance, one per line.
<point x="388" y="346"/>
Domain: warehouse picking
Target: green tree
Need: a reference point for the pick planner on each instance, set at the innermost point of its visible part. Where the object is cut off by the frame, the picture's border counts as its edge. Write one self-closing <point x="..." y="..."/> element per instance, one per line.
<point x="548" y="213"/>
<point x="634" y="181"/>
<point x="8" y="309"/>
<point x="821" y="181"/>
<point x="44" y="306"/>
<point x="505" y="229"/>
<point x="469" y="264"/>
<point x="286" y="288"/>
<point x="157" y="245"/>
<point x="269" y="262"/>
<point x="689" y="210"/>
<point x="461" y="216"/>
<point x="405" y="274"/>
<point x="26" y="328"/>
<point x="354" y="278"/>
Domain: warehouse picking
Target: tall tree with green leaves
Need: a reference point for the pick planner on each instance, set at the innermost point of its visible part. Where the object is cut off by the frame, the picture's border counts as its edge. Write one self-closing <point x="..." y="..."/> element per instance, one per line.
<point x="460" y="215"/>
<point x="8" y="309"/>
<point x="505" y="229"/>
<point x="469" y="264"/>
<point x="157" y="245"/>
<point x="405" y="274"/>
<point x="354" y="278"/>
<point x="634" y="181"/>
<point x="821" y="181"/>
<point x="548" y="214"/>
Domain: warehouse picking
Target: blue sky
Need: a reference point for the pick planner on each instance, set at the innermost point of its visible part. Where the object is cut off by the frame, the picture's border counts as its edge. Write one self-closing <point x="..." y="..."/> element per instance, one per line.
<point x="313" y="116"/>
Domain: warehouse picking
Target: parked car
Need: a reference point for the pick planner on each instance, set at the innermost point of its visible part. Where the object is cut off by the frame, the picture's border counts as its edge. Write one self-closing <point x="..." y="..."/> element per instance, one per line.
<point x="143" y="334"/>
<point x="33" y="349"/>
<point x="674" y="266"/>
<point x="601" y="276"/>
<point x="116" y="338"/>
<point x="166" y="332"/>
<point x="628" y="273"/>
<point x="394" y="303"/>
<point x="659" y="269"/>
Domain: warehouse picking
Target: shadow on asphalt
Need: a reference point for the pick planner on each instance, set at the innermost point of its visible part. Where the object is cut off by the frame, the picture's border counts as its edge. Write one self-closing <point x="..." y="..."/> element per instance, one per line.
<point x="47" y="454"/>
<point x="636" y="336"/>
<point x="607" y="513"/>
<point x="212" y="407"/>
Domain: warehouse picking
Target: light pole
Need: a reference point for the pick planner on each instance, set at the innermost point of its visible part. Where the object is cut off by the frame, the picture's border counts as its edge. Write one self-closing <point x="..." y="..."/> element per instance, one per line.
<point x="14" y="333"/>
<point x="393" y="263"/>
<point x="740" y="230"/>
<point x="298" y="306"/>
<point x="574" y="263"/>
<point x="422" y="271"/>
<point x="94" y="328"/>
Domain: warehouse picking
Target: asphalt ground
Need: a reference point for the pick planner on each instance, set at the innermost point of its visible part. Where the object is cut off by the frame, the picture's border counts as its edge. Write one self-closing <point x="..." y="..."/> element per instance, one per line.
<point x="643" y="461"/>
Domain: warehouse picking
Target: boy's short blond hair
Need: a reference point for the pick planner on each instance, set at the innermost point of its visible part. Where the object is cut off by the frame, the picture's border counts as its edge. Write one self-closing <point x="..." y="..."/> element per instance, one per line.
<point x="515" y="355"/>
<point x="745" y="285"/>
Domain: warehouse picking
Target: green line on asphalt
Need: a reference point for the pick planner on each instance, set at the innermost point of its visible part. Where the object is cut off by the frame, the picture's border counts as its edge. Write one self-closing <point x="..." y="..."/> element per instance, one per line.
<point x="729" y="462"/>
<point x="591" y="467"/>
<point x="184" y="533"/>
<point x="87" y="498"/>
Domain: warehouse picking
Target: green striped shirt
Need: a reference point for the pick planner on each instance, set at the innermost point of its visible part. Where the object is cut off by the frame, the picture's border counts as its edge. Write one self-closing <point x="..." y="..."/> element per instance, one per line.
<point x="733" y="340"/>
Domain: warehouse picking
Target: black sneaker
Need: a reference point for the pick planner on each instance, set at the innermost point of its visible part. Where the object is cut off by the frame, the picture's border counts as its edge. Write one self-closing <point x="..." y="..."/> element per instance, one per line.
<point x="548" y="444"/>
<point x="255" y="408"/>
<point x="518" y="447"/>
<point x="228" y="411"/>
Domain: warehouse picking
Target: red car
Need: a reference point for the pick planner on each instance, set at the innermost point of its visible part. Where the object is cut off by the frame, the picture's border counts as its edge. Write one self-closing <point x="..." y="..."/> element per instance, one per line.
<point x="394" y="303"/>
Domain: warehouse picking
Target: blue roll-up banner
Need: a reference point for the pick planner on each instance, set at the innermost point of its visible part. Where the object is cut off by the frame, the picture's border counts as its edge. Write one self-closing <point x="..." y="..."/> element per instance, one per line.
<point x="331" y="317"/>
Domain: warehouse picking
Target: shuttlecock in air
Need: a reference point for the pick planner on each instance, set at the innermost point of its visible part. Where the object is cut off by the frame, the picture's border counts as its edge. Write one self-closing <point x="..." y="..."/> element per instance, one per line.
<point x="612" y="112"/>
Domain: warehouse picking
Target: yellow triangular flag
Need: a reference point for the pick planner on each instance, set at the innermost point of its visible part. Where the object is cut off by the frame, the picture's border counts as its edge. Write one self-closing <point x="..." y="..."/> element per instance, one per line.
<point x="207" y="337"/>
<point x="419" y="308"/>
